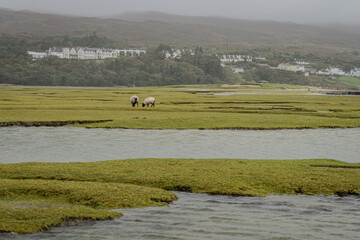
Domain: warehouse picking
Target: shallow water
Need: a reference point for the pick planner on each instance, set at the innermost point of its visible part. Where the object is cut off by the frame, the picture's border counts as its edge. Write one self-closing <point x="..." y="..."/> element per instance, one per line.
<point x="69" y="144"/>
<point x="201" y="216"/>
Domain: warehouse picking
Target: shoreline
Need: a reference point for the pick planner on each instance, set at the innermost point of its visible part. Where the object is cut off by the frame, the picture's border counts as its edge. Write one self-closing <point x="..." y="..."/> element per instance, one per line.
<point x="71" y="123"/>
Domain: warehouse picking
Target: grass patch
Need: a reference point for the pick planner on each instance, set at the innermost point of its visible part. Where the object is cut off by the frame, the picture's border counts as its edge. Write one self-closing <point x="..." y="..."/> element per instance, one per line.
<point x="350" y="80"/>
<point x="35" y="196"/>
<point x="31" y="216"/>
<point x="28" y="205"/>
<point x="214" y="176"/>
<point x="178" y="108"/>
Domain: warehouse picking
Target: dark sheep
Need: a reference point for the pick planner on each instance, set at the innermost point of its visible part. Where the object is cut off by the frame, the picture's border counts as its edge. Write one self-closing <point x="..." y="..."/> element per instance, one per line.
<point x="134" y="100"/>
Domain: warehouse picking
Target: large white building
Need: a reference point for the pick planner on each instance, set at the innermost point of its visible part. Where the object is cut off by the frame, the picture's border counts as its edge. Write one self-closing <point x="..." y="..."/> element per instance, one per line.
<point x="333" y="71"/>
<point x="336" y="71"/>
<point x="235" y="58"/>
<point x="289" y="67"/>
<point x="355" y="72"/>
<point x="85" y="53"/>
<point x="36" y="55"/>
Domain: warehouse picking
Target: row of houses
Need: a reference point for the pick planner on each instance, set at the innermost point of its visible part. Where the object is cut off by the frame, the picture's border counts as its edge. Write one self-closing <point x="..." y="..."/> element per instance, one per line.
<point x="355" y="72"/>
<point x="290" y="67"/>
<point x="85" y="53"/>
<point x="177" y="53"/>
<point x="330" y="71"/>
<point x="336" y="71"/>
<point x="235" y="58"/>
<point x="239" y="58"/>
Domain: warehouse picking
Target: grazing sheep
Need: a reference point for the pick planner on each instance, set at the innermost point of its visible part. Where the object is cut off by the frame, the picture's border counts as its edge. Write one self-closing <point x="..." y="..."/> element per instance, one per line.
<point x="134" y="100"/>
<point x="149" y="100"/>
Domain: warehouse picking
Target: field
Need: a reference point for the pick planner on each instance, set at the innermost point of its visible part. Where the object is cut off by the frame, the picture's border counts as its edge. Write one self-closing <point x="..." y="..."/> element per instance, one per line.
<point x="35" y="196"/>
<point x="181" y="107"/>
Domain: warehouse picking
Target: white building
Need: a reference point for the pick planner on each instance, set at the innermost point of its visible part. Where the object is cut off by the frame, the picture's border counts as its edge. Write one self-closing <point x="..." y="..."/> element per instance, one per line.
<point x="260" y="58"/>
<point x="238" y="70"/>
<point x="73" y="54"/>
<point x="289" y="67"/>
<point x="88" y="53"/>
<point x="264" y="65"/>
<point x="355" y="72"/>
<point x="335" y="71"/>
<point x="36" y="55"/>
<point x="57" y="52"/>
<point x="177" y="53"/>
<point x="322" y="73"/>
<point x="85" y="53"/>
<point x="302" y="63"/>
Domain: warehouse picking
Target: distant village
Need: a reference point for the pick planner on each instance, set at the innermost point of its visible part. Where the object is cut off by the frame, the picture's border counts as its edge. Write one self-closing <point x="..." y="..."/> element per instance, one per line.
<point x="85" y="53"/>
<point x="298" y="66"/>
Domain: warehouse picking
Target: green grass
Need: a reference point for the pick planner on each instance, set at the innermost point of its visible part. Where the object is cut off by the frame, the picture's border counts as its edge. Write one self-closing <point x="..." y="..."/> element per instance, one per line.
<point x="36" y="196"/>
<point x="180" y="108"/>
<point x="28" y="205"/>
<point x="216" y="176"/>
<point x="31" y="216"/>
<point x="350" y="80"/>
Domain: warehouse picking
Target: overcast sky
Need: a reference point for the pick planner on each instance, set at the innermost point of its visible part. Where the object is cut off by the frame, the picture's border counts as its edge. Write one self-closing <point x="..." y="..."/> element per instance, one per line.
<point x="300" y="11"/>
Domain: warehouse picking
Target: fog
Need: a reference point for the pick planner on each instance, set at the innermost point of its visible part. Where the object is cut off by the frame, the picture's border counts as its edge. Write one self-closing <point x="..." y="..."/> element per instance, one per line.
<point x="299" y="11"/>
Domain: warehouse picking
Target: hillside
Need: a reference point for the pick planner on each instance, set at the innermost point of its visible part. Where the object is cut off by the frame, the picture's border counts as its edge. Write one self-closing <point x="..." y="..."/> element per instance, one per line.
<point x="152" y="28"/>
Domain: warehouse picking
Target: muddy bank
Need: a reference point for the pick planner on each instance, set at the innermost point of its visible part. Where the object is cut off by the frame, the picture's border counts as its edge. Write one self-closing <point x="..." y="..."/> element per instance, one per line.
<point x="49" y="123"/>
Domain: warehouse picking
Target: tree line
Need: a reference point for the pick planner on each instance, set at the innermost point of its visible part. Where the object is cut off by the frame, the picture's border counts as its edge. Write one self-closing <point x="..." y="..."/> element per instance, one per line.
<point x="151" y="69"/>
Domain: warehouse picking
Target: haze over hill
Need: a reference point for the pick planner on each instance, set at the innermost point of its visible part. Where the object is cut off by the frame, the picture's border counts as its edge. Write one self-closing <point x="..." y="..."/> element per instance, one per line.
<point x="235" y="23"/>
<point x="152" y="28"/>
<point x="297" y="11"/>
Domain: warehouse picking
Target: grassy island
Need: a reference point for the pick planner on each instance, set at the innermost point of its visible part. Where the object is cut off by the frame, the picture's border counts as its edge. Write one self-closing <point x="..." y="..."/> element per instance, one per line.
<point x="181" y="107"/>
<point x="35" y="196"/>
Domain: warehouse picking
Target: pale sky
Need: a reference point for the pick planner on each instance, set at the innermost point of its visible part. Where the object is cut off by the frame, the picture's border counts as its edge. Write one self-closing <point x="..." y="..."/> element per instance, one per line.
<point x="300" y="11"/>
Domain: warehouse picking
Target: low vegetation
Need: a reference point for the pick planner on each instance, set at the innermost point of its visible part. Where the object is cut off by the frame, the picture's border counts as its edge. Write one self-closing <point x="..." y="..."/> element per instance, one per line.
<point x="29" y="216"/>
<point x="215" y="176"/>
<point x="35" y="196"/>
<point x="179" y="107"/>
<point x="29" y="205"/>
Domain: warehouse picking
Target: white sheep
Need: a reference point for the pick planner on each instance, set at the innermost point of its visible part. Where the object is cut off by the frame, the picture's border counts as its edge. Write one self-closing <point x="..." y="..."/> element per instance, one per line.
<point x="134" y="100"/>
<point x="148" y="101"/>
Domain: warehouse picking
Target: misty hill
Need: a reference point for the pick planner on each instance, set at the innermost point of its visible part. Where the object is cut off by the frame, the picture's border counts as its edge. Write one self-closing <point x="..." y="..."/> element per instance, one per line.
<point x="152" y="28"/>
<point x="330" y="33"/>
<point x="353" y="28"/>
<point x="270" y="27"/>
